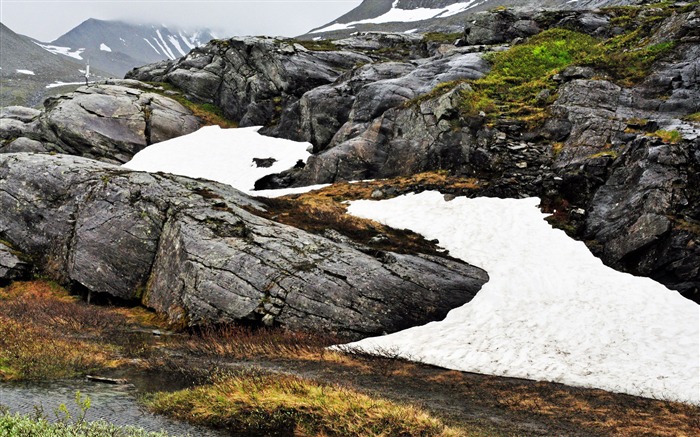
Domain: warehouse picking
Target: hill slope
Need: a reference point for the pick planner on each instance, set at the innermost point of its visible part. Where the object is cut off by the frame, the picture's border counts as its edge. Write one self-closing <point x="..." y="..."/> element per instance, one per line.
<point x="438" y="15"/>
<point x="117" y="47"/>
<point x="26" y="69"/>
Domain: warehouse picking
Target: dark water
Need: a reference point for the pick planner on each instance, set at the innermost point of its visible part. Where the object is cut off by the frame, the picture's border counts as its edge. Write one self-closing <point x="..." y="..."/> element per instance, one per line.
<point x="116" y="404"/>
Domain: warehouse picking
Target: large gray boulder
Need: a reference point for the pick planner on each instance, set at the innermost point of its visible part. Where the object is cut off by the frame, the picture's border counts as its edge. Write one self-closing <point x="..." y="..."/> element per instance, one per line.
<point x="197" y="252"/>
<point x="251" y="79"/>
<point x="107" y="122"/>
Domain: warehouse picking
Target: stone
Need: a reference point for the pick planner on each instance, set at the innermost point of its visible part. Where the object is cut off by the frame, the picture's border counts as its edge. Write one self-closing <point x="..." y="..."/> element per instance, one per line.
<point x="107" y="122"/>
<point x="197" y="252"/>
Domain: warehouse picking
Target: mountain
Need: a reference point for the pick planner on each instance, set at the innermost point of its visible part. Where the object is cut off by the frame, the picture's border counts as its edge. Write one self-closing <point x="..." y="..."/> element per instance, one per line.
<point x="434" y="15"/>
<point x="26" y="70"/>
<point x="116" y="47"/>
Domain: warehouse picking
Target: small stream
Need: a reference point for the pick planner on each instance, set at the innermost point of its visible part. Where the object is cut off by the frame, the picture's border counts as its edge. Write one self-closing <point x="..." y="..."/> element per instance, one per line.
<point x="116" y="404"/>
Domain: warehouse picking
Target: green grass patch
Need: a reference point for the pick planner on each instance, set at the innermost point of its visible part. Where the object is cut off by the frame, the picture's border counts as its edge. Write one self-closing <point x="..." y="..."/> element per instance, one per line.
<point x="321" y="45"/>
<point x="65" y="425"/>
<point x="671" y="137"/>
<point x="18" y="425"/>
<point x="695" y="118"/>
<point x="209" y="113"/>
<point x="521" y="75"/>
<point x="521" y="86"/>
<point x="265" y="404"/>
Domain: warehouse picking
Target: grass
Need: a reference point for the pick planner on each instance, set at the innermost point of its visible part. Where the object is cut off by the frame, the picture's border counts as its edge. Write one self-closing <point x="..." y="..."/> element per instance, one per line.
<point x="208" y="113"/>
<point x="18" y="425"/>
<point x="442" y="37"/>
<point x="321" y="45"/>
<point x="671" y="137"/>
<point x="66" y="425"/>
<point x="256" y="403"/>
<point x="48" y="334"/>
<point x="521" y="82"/>
<point x="695" y="118"/>
<point x="243" y="343"/>
<point x="321" y="210"/>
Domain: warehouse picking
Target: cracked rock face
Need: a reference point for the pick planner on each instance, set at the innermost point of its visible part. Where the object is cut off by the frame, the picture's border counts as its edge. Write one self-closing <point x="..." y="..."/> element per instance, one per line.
<point x="12" y="267"/>
<point x="250" y="78"/>
<point x="105" y="122"/>
<point x="189" y="249"/>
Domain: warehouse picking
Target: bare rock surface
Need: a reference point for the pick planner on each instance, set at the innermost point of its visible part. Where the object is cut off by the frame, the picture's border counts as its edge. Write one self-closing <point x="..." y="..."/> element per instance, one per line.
<point x="12" y="266"/>
<point x="106" y="122"/>
<point x="189" y="249"/>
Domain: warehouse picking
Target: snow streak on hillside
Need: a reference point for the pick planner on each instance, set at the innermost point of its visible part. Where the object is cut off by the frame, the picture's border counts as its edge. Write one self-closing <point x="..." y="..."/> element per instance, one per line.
<point x="396" y="14"/>
<point x="66" y="51"/>
<point x="550" y="311"/>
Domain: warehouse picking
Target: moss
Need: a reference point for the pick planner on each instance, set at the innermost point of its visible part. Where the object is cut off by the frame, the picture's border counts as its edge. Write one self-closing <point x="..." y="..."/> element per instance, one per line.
<point x="605" y="153"/>
<point x="209" y="113"/>
<point x="671" y="137"/>
<point x="321" y="45"/>
<point x="695" y="118"/>
<point x="521" y="83"/>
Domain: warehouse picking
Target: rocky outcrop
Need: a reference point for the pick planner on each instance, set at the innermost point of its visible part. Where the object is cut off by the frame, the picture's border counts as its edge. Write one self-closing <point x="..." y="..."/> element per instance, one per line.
<point x="251" y="79"/>
<point x="645" y="218"/>
<point x="378" y="132"/>
<point x="193" y="250"/>
<point x="106" y="122"/>
<point x="12" y="267"/>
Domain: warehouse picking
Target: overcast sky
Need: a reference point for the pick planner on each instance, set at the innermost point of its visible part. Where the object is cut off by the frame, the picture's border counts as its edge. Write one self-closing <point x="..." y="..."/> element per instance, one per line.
<point x="46" y="20"/>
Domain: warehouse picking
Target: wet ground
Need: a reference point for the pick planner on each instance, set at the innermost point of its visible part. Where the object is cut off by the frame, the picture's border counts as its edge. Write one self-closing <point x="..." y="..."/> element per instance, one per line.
<point x="114" y="403"/>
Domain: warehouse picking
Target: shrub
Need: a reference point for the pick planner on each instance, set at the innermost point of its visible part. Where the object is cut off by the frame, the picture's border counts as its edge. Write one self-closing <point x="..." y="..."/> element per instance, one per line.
<point x="266" y="404"/>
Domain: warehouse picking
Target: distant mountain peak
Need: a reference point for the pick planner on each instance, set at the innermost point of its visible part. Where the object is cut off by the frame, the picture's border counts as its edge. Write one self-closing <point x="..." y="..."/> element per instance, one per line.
<point x="432" y="15"/>
<point x="117" y="46"/>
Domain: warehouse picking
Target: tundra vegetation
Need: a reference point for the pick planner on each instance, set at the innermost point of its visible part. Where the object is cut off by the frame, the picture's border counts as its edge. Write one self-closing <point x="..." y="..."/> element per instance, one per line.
<point x="273" y="381"/>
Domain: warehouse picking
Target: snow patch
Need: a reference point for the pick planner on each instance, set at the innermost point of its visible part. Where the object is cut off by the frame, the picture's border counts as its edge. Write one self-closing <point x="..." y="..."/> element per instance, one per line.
<point x="176" y="43"/>
<point x="105" y="48"/>
<point x="164" y="46"/>
<point x="187" y="42"/>
<point x="550" y="311"/>
<point x="59" y="83"/>
<point x="27" y="72"/>
<point x="222" y="155"/>
<point x="66" y="51"/>
<point x="152" y="46"/>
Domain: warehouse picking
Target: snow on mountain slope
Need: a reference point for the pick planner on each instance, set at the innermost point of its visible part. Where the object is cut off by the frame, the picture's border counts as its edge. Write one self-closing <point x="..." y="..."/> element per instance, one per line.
<point x="397" y="14"/>
<point x="550" y="311"/>
<point x="117" y="47"/>
<point x="434" y="15"/>
<point x="26" y="69"/>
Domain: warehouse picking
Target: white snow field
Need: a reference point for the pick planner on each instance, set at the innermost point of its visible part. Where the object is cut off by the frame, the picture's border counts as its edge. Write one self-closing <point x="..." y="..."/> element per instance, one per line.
<point x="67" y="51"/>
<point x="222" y="155"/>
<point x="396" y="14"/>
<point x="550" y="311"/>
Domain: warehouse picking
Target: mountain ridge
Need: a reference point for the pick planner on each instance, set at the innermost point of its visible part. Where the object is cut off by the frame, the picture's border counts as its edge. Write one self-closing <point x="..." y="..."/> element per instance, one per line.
<point x="440" y="15"/>
<point x="118" y="46"/>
